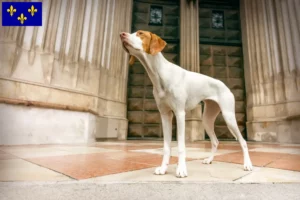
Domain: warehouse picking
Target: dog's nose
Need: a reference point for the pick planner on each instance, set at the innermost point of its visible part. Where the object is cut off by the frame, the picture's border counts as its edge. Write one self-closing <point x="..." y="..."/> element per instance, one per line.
<point x="123" y="34"/>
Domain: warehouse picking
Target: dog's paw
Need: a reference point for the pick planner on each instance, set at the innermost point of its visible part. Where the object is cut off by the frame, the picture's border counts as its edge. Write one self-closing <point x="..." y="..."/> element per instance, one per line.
<point x="208" y="160"/>
<point x="161" y="170"/>
<point x="248" y="165"/>
<point x="181" y="171"/>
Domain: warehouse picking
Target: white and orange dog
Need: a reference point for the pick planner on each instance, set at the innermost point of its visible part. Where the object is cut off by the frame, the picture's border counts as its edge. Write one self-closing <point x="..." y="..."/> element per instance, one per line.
<point x="178" y="90"/>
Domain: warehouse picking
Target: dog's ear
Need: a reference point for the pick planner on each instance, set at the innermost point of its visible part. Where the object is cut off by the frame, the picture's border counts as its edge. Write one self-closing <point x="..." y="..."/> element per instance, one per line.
<point x="131" y="60"/>
<point x="156" y="44"/>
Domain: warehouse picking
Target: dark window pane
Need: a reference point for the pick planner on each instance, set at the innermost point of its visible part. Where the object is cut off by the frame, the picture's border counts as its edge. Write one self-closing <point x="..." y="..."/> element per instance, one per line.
<point x="217" y="19"/>
<point x="156" y="13"/>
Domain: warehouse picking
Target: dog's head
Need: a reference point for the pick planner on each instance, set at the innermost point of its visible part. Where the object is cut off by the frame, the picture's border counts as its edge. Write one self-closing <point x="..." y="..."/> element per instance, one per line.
<point x="141" y="42"/>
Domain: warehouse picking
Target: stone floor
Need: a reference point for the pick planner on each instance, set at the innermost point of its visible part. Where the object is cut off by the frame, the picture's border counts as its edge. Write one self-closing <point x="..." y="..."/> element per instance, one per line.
<point x="135" y="161"/>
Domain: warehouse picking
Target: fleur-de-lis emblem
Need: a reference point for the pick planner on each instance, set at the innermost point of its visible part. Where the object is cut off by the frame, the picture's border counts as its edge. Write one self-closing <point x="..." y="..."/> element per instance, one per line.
<point x="11" y="10"/>
<point x="32" y="10"/>
<point x="22" y="18"/>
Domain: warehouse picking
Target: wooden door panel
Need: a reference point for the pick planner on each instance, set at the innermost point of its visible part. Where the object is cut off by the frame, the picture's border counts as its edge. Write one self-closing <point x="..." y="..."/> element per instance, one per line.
<point x="143" y="115"/>
<point x="218" y="63"/>
<point x="221" y="55"/>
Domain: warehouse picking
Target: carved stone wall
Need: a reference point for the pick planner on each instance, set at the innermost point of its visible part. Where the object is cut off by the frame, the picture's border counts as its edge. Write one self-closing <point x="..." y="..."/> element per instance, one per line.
<point x="75" y="60"/>
<point x="271" y="42"/>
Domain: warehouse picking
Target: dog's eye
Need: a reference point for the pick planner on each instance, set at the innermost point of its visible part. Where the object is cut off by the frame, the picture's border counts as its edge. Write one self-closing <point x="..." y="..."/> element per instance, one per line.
<point x="140" y="33"/>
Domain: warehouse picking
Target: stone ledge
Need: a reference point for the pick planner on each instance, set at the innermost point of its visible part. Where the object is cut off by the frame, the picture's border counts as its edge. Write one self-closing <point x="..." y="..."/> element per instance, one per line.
<point x="274" y="119"/>
<point x="21" y="124"/>
<point x="283" y="130"/>
<point x="60" y="99"/>
<point x="59" y="88"/>
<point x="46" y="105"/>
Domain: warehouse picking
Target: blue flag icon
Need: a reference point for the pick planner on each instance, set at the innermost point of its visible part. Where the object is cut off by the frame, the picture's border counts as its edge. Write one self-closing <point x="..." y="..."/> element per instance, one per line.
<point x="21" y="13"/>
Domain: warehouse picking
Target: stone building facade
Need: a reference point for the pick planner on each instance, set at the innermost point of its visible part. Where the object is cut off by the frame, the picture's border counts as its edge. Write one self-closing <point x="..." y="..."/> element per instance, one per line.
<point x="68" y="81"/>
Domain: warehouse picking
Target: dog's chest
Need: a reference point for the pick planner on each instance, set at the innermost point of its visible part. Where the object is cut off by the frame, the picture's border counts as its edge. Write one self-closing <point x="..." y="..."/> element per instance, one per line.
<point x="169" y="96"/>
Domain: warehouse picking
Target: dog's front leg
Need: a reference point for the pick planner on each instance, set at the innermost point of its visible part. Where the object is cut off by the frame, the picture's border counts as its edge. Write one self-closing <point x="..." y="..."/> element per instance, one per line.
<point x="181" y="170"/>
<point x="167" y="132"/>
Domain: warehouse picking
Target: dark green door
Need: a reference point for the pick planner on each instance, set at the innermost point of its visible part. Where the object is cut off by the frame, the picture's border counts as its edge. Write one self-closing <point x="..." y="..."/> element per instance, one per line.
<point x="161" y="18"/>
<point x="221" y="54"/>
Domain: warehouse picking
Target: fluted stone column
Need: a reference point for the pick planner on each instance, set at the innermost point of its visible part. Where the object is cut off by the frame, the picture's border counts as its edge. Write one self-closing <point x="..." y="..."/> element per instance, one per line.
<point x="271" y="48"/>
<point x="189" y="59"/>
<point x="74" y="62"/>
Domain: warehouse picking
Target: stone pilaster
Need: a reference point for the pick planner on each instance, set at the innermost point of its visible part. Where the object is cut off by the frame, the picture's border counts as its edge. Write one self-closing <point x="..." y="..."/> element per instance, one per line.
<point x="75" y="60"/>
<point x="189" y="35"/>
<point x="270" y="41"/>
<point x="189" y="59"/>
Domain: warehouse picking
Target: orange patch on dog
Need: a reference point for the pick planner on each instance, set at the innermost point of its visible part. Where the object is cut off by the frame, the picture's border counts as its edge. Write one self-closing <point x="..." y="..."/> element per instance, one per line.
<point x="152" y="43"/>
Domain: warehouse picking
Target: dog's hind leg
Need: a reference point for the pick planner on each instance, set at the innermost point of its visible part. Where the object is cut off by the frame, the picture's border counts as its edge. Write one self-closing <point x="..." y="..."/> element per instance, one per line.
<point x="227" y="105"/>
<point x="211" y="111"/>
